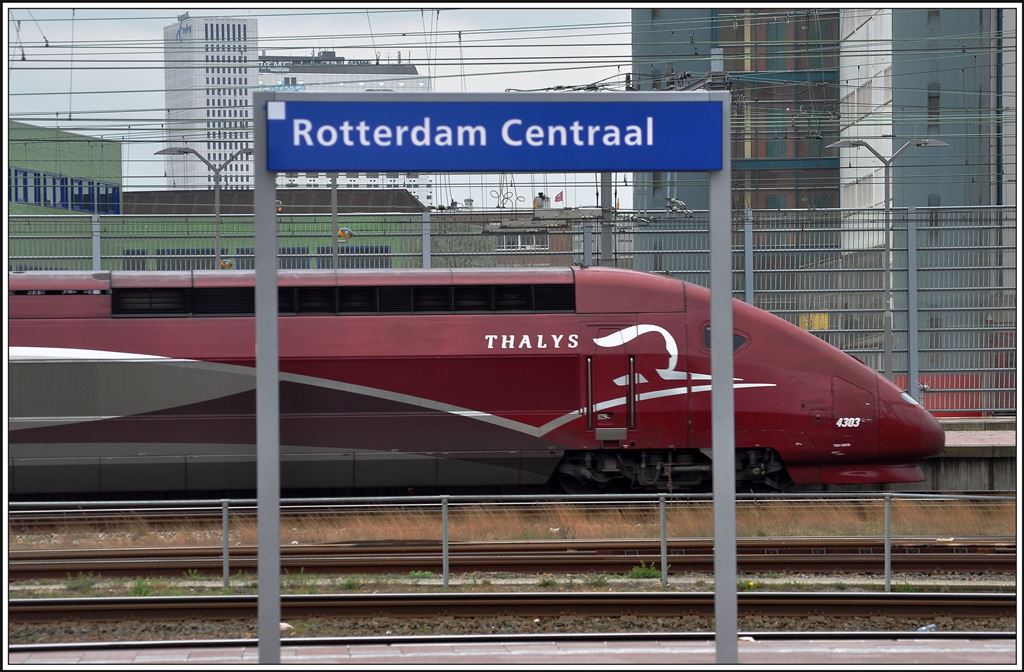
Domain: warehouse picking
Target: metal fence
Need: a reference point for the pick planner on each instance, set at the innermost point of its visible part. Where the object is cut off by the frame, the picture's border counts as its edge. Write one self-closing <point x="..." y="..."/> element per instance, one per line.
<point x="953" y="270"/>
<point x="868" y="504"/>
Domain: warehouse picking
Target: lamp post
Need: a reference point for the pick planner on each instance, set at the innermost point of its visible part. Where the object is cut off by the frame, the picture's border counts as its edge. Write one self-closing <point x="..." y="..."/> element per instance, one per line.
<point x="181" y="151"/>
<point x="887" y="262"/>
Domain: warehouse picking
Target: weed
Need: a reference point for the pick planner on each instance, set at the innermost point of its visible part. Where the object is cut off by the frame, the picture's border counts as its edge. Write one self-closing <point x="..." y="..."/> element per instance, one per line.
<point x="349" y="584"/>
<point x="746" y="584"/>
<point x="547" y="582"/>
<point x="192" y="574"/>
<point x="645" y="571"/>
<point x="595" y="580"/>
<point x="300" y="582"/>
<point x="141" y="587"/>
<point x="421" y="574"/>
<point x="82" y="583"/>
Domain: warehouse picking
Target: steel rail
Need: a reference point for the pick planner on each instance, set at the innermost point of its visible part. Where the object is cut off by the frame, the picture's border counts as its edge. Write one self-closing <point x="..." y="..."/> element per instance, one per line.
<point x="554" y="556"/>
<point x="528" y="604"/>
<point x="679" y="546"/>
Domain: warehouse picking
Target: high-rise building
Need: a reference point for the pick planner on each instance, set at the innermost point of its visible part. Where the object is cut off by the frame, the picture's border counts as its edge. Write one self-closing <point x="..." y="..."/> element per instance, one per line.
<point x="781" y="67"/>
<point x="209" y="72"/>
<point x="328" y="73"/>
<point x="945" y="74"/>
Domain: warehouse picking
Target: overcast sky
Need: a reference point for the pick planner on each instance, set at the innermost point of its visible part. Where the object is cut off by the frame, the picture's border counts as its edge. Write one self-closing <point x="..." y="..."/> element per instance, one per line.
<point x="101" y="73"/>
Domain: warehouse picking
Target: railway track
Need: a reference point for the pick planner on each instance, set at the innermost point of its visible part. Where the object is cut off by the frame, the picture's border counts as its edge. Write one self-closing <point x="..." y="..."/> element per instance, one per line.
<point x="601" y="556"/>
<point x="400" y="605"/>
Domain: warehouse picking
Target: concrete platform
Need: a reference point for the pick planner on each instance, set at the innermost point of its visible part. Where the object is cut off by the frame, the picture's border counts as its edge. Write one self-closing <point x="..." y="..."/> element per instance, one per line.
<point x="980" y="455"/>
<point x="988" y="653"/>
<point x="991" y="423"/>
<point x="980" y="443"/>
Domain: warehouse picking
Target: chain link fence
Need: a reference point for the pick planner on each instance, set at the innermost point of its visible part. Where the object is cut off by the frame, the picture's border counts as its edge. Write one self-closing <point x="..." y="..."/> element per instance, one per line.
<point x="953" y="270"/>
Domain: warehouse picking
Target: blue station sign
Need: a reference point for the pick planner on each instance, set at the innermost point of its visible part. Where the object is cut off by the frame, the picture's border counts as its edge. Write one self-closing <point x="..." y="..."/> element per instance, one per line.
<point x="493" y="136"/>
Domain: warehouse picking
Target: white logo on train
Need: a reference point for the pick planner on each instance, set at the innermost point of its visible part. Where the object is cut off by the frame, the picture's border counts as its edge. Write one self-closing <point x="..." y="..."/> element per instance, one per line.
<point x="613" y="340"/>
<point x="531" y="341"/>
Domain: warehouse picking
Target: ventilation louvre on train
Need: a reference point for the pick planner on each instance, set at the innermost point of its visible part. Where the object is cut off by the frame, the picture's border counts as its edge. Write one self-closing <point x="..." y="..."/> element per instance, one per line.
<point x="151" y="301"/>
<point x="390" y="299"/>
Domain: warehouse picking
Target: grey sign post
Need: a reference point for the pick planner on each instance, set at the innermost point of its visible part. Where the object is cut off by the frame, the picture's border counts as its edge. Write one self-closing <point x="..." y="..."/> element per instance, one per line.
<point x="560" y="132"/>
<point x="723" y="436"/>
<point x="268" y="407"/>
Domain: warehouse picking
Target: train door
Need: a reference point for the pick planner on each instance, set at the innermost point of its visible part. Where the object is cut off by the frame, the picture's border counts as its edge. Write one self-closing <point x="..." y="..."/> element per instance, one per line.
<point x="854" y="420"/>
<point x="610" y="386"/>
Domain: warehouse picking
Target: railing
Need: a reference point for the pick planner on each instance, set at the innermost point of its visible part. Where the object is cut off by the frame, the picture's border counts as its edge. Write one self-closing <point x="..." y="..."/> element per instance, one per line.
<point x="867" y="504"/>
<point x="953" y="269"/>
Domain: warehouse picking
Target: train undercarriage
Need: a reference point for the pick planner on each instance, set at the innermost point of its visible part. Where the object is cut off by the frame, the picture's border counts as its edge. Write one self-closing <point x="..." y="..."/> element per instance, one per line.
<point x="757" y="470"/>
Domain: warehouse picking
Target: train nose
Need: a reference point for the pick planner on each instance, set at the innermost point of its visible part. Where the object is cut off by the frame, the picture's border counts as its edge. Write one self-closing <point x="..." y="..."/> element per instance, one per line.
<point x="933" y="437"/>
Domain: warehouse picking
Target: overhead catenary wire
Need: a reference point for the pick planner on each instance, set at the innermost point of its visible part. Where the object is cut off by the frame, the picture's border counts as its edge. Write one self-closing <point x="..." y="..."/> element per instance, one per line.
<point x="111" y="119"/>
<point x="71" y="64"/>
<point x="46" y="42"/>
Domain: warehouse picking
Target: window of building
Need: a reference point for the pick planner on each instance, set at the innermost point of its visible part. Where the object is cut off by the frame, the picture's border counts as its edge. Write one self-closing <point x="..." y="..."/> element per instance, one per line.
<point x="134" y="259"/>
<point x="934" y="201"/>
<point x="184" y="259"/>
<point x="816" y="35"/>
<point x="887" y="85"/>
<point x="522" y="242"/>
<point x="777" y="44"/>
<point x="776" y="145"/>
<point x="933" y="108"/>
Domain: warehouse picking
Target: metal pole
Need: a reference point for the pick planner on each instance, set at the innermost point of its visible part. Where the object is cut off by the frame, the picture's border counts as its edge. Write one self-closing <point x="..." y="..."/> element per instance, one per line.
<point x="607" y="243"/>
<point x="334" y="221"/>
<point x="663" y="525"/>
<point x="748" y="256"/>
<point x="226" y="535"/>
<point x="888" y="543"/>
<point x="444" y="540"/>
<point x="588" y="244"/>
<point x="97" y="249"/>
<point x="216" y="209"/>
<point x="887" y="281"/>
<point x="268" y="407"/>
<point x="913" y="373"/>
<point x="426" y="239"/>
<point x="723" y="436"/>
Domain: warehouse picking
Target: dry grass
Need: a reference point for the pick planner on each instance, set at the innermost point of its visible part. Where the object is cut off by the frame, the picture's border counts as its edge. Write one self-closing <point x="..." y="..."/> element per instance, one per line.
<point x="496" y="523"/>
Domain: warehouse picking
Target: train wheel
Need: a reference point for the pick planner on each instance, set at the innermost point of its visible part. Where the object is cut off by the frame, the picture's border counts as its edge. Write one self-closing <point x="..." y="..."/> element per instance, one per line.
<point x="574" y="486"/>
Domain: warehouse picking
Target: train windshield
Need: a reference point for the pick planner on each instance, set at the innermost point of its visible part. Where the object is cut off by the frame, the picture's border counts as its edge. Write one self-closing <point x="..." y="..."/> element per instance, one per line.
<point x="909" y="399"/>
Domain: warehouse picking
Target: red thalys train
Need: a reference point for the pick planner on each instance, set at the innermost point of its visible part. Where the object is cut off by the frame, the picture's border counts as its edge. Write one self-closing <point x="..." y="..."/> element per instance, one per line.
<point x="588" y="379"/>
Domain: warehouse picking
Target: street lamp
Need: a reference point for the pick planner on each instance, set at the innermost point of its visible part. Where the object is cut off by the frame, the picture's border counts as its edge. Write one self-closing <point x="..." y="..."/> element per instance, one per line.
<point x="887" y="283"/>
<point x="181" y="151"/>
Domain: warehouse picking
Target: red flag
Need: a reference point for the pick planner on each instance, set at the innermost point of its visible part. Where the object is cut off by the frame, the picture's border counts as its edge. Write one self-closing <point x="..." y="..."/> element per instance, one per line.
<point x="558" y="198"/>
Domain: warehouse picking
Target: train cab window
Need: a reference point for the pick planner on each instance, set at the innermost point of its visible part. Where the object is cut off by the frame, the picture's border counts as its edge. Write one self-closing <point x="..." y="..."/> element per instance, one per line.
<point x="738" y="339"/>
